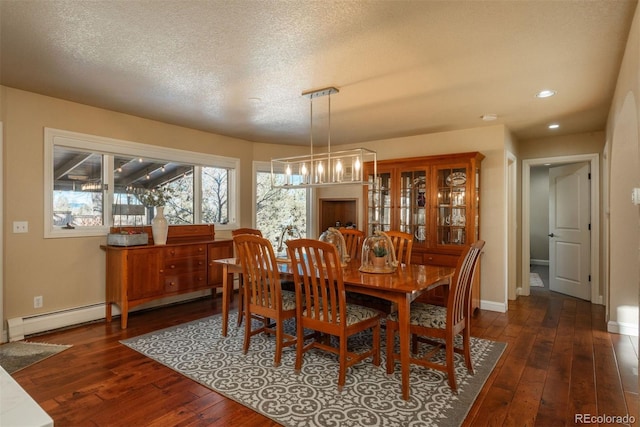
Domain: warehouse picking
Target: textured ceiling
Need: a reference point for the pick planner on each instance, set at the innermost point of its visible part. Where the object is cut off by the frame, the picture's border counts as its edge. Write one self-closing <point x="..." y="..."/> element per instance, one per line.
<point x="403" y="68"/>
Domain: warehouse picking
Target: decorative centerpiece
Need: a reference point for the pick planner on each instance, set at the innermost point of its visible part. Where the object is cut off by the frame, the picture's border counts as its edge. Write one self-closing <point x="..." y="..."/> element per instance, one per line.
<point x="336" y="238"/>
<point x="378" y="254"/>
<point x="157" y="198"/>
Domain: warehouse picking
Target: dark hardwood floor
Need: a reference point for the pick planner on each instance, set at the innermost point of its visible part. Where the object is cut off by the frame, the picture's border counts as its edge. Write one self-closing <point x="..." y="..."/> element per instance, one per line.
<point x="560" y="361"/>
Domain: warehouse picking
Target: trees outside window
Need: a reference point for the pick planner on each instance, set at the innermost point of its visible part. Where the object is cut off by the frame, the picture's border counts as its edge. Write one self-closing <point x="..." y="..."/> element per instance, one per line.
<point x="278" y="208"/>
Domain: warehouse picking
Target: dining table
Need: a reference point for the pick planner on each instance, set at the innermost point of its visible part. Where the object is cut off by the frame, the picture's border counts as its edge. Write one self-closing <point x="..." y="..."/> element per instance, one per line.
<point x="401" y="286"/>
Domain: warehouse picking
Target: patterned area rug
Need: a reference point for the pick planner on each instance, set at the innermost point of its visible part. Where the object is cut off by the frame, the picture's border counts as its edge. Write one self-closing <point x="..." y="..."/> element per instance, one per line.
<point x="20" y="354"/>
<point x="370" y="397"/>
<point x="535" y="280"/>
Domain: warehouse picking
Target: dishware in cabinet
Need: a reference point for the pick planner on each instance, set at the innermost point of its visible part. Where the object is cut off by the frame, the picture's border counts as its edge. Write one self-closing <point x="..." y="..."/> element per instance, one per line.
<point x="434" y="198"/>
<point x="457" y="201"/>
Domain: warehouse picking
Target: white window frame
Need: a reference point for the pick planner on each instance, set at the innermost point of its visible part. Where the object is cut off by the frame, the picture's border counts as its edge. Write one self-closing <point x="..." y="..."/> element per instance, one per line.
<point x="110" y="147"/>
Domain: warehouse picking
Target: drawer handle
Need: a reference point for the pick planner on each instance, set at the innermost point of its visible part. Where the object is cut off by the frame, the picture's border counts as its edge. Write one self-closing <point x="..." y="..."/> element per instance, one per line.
<point x="200" y="262"/>
<point x="173" y="266"/>
<point x="172" y="283"/>
<point x="200" y="249"/>
<point x="172" y="252"/>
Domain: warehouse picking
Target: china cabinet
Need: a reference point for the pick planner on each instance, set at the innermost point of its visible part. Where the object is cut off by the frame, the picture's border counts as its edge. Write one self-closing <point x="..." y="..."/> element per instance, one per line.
<point x="435" y="198"/>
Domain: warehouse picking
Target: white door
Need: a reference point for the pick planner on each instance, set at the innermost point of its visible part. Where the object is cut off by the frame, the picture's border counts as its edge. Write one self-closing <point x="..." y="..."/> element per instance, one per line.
<point x="569" y="234"/>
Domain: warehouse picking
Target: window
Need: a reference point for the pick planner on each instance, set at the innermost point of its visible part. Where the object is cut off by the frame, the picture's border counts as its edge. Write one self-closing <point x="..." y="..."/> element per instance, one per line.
<point x="277" y="209"/>
<point x="84" y="173"/>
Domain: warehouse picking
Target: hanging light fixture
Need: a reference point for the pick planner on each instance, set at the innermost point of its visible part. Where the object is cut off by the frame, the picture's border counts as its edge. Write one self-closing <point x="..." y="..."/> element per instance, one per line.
<point x="321" y="169"/>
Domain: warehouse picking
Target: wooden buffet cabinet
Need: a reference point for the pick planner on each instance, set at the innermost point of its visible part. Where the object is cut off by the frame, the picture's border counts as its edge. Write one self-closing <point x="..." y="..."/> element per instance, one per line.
<point x="436" y="199"/>
<point x="139" y="274"/>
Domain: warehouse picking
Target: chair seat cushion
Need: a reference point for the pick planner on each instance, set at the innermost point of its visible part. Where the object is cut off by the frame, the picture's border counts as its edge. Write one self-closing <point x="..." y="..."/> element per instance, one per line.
<point x="288" y="300"/>
<point x="427" y="315"/>
<point x="355" y="313"/>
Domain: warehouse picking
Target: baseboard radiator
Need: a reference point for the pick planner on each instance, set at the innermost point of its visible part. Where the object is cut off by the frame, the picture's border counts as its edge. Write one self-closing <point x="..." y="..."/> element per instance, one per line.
<point x="20" y="327"/>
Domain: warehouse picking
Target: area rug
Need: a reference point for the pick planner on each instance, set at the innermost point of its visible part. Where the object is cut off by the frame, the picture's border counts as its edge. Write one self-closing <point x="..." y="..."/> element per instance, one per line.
<point x="535" y="280"/>
<point x="17" y="355"/>
<point x="311" y="398"/>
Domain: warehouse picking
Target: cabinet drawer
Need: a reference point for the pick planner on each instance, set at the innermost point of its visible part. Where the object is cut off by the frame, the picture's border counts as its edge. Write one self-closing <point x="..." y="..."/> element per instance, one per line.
<point x="185" y="251"/>
<point x="185" y="265"/>
<point x="180" y="282"/>
<point x="440" y="259"/>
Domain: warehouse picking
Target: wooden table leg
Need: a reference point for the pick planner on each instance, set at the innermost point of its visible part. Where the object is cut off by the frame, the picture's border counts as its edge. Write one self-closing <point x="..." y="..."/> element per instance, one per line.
<point x="404" y="308"/>
<point x="225" y="298"/>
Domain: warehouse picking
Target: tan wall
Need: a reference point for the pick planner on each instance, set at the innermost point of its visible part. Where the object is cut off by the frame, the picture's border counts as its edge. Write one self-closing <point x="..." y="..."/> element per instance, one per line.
<point x="70" y="272"/>
<point x="623" y="128"/>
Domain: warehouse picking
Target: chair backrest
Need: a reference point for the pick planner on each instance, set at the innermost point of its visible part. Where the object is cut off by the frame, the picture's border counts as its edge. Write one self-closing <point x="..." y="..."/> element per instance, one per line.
<point x="253" y="231"/>
<point x="459" y="301"/>
<point x="320" y="294"/>
<point x="259" y="272"/>
<point x="353" y="239"/>
<point x="402" y="243"/>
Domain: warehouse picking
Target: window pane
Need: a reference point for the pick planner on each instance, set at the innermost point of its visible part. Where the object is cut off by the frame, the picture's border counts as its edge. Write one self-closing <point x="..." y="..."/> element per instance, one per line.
<point x="179" y="210"/>
<point x="135" y="175"/>
<point x="84" y="173"/>
<point x="77" y="188"/>
<point x="215" y="192"/>
<point x="277" y="208"/>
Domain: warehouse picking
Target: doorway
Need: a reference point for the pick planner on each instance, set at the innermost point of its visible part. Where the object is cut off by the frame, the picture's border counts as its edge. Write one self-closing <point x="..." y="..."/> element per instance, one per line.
<point x="528" y="165"/>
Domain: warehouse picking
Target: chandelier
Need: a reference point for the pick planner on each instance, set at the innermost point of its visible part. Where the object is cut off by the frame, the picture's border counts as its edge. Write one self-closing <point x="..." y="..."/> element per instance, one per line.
<point x="321" y="169"/>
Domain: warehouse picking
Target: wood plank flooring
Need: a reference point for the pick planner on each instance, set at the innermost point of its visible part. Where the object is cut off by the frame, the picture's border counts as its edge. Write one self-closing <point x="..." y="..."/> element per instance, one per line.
<point x="559" y="362"/>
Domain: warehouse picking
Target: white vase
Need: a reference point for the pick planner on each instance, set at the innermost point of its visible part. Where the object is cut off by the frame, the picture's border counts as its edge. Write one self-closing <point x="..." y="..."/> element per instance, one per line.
<point x="159" y="227"/>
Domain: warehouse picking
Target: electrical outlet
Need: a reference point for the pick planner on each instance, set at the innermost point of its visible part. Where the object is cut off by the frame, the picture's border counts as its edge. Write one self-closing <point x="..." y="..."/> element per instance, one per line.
<point x="20" y="226"/>
<point x="37" y="301"/>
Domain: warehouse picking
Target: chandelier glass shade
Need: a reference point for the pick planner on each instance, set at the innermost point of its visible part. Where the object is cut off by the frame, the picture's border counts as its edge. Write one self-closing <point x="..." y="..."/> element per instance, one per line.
<point x="321" y="169"/>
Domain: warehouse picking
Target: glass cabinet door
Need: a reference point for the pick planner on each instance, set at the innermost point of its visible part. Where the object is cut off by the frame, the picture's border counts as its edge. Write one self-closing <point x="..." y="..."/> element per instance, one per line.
<point x="413" y="204"/>
<point x="452" y="206"/>
<point x="379" y="203"/>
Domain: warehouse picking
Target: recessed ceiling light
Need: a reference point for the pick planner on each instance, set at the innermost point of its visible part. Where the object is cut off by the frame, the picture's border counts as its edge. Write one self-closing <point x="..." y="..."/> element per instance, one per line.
<point x="545" y="93"/>
<point x="553" y="126"/>
<point x="489" y="117"/>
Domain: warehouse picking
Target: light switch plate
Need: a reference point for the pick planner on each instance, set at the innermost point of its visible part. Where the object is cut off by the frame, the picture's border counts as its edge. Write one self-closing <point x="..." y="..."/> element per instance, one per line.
<point x="635" y="196"/>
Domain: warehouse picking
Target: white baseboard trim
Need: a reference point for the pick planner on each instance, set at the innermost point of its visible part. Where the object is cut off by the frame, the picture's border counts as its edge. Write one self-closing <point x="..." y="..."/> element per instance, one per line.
<point x="19" y="327"/>
<point x="493" y="306"/>
<point x="539" y="262"/>
<point x="622" y="328"/>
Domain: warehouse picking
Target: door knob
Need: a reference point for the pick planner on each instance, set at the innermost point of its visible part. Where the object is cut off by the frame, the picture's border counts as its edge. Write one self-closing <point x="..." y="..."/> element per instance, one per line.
<point x="550" y="235"/>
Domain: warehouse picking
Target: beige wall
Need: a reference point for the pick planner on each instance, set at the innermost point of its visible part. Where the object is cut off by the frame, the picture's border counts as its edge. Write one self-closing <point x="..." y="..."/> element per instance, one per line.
<point x="623" y="128"/>
<point x="555" y="146"/>
<point x="69" y="273"/>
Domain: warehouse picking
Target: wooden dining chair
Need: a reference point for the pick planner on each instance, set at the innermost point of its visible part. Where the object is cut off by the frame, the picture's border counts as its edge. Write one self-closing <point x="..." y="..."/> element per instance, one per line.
<point x="264" y="299"/>
<point x="438" y="325"/>
<point x="402" y="243"/>
<point x="237" y="232"/>
<point x="353" y="239"/>
<point x="322" y="306"/>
